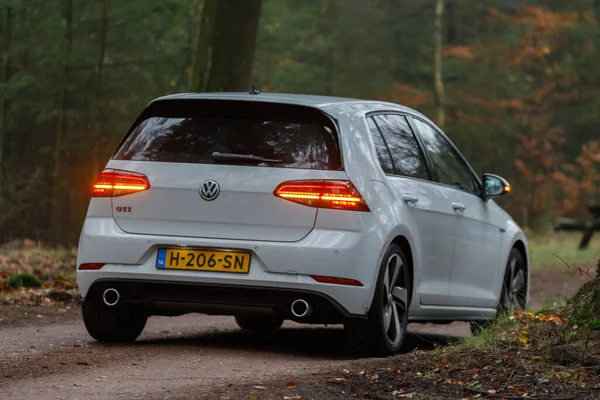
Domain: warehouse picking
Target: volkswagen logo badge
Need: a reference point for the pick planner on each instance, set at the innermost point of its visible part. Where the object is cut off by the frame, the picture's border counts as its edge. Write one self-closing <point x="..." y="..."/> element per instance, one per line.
<point x="209" y="190"/>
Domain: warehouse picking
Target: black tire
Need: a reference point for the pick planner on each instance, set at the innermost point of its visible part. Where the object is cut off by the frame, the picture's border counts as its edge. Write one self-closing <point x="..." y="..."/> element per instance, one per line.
<point x="384" y="331"/>
<point x="514" y="290"/>
<point x="113" y="325"/>
<point x="254" y="323"/>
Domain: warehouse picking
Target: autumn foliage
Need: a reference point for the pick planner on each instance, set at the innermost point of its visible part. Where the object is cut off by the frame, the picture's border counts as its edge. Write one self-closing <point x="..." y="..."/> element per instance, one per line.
<point x="550" y="178"/>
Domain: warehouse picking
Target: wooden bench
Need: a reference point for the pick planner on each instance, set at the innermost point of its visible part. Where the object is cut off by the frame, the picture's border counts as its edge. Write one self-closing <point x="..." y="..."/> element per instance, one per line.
<point x="587" y="227"/>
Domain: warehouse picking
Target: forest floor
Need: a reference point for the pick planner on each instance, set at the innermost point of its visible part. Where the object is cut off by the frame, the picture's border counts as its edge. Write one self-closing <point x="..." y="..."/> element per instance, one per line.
<point x="46" y="353"/>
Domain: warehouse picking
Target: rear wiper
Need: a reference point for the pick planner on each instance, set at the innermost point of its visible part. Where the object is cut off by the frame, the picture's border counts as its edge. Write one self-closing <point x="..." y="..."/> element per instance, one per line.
<point x="242" y="158"/>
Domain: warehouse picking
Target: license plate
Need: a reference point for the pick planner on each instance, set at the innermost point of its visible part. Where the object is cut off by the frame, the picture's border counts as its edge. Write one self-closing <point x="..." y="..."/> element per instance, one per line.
<point x="203" y="260"/>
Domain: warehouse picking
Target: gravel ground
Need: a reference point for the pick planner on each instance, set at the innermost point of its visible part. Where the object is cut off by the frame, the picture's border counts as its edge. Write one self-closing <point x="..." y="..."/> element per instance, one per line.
<point x="46" y="353"/>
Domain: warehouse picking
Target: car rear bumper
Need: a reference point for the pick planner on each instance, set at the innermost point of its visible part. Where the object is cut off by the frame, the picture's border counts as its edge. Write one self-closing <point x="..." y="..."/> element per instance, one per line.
<point x="283" y="270"/>
<point x="173" y="298"/>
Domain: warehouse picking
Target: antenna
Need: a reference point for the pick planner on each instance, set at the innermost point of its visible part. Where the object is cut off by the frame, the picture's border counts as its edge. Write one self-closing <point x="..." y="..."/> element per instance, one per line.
<point x="254" y="90"/>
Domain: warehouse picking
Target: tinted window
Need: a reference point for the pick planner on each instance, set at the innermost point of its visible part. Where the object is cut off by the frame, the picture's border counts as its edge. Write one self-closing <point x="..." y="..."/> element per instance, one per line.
<point x="383" y="153"/>
<point x="191" y="131"/>
<point x="406" y="154"/>
<point x="450" y="167"/>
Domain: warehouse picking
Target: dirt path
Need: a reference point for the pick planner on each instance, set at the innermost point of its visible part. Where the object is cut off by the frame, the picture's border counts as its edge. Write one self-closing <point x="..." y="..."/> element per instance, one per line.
<point x="52" y="357"/>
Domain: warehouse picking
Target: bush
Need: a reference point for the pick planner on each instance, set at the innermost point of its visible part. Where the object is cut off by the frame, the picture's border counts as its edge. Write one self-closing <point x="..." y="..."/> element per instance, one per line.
<point x="23" y="280"/>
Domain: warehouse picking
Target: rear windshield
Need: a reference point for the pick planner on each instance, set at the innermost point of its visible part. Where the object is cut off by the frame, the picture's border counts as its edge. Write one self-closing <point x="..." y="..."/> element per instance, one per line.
<point x="191" y="131"/>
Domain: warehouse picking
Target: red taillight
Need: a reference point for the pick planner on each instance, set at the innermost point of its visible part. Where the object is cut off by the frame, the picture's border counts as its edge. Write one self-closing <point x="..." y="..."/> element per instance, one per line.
<point x="113" y="183"/>
<point x="336" y="281"/>
<point x="323" y="194"/>
<point x="90" y="266"/>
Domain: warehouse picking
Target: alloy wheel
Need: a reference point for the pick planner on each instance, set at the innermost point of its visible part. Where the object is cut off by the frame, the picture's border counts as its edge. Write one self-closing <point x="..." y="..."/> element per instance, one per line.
<point x="515" y="286"/>
<point x="395" y="299"/>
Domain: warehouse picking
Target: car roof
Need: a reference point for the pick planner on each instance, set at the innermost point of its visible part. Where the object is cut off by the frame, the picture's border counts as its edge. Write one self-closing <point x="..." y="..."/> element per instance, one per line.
<point x="325" y="103"/>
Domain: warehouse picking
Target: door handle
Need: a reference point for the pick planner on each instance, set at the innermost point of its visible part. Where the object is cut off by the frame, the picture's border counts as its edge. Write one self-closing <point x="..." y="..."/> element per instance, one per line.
<point x="458" y="207"/>
<point x="410" y="199"/>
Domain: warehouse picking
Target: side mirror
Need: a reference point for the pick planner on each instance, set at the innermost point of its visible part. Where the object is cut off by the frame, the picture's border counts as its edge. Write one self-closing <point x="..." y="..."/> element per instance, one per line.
<point x="494" y="186"/>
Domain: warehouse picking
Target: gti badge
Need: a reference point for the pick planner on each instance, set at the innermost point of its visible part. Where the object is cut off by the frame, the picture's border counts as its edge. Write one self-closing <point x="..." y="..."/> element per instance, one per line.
<point x="209" y="190"/>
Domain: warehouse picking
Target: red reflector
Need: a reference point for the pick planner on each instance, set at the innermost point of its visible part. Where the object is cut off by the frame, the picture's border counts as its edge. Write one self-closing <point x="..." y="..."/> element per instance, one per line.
<point x="113" y="183"/>
<point x="90" y="266"/>
<point x="336" y="281"/>
<point x="323" y="194"/>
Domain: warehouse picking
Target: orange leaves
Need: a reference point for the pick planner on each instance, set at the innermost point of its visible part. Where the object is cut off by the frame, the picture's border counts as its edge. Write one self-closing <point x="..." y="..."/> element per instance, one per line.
<point x="288" y="63"/>
<point x="516" y="104"/>
<point x="540" y="18"/>
<point x="524" y="317"/>
<point x="406" y="94"/>
<point x="464" y="52"/>
<point x="545" y="33"/>
<point x="581" y="179"/>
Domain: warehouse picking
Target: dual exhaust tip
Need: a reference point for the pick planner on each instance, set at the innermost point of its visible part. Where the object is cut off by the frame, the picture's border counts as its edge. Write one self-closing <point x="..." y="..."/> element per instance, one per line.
<point x="111" y="297"/>
<point x="300" y="308"/>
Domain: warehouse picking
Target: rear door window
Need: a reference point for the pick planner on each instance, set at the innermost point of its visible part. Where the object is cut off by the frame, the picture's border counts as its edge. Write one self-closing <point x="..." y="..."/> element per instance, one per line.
<point x="191" y="131"/>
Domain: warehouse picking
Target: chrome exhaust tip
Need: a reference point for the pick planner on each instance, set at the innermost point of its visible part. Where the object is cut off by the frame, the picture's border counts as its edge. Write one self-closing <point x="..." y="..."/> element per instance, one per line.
<point x="301" y="309"/>
<point x="111" y="297"/>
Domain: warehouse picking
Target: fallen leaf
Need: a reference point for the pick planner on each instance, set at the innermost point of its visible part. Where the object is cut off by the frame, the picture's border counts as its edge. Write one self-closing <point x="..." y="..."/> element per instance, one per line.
<point x="291" y="385"/>
<point x="373" y="377"/>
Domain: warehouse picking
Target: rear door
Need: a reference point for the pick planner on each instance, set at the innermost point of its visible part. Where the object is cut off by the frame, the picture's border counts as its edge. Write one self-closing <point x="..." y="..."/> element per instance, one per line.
<point x="174" y="143"/>
<point x="402" y="159"/>
<point x="477" y="253"/>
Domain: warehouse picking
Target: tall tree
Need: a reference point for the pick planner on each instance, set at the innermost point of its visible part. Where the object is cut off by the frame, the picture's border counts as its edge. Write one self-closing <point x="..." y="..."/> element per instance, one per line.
<point x="226" y="42"/>
<point x="4" y="77"/>
<point x="96" y="112"/>
<point x="61" y="124"/>
<point x="437" y="59"/>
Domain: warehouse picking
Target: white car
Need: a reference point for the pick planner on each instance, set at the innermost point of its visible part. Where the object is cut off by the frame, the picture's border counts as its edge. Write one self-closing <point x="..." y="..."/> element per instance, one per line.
<point x="274" y="207"/>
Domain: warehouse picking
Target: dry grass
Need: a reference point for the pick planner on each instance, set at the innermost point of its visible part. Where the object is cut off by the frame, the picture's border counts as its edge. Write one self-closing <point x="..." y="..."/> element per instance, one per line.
<point x="55" y="267"/>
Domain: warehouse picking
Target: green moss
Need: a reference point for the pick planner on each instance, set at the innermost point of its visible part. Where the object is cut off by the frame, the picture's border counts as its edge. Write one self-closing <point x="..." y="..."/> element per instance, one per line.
<point x="23" y="280"/>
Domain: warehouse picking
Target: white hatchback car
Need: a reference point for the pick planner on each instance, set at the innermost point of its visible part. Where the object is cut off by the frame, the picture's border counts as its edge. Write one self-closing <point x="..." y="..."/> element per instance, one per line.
<point x="314" y="209"/>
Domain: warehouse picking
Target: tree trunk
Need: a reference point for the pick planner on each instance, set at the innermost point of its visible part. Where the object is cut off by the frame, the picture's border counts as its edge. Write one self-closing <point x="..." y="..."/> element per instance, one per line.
<point x="96" y="112"/>
<point x="438" y="82"/>
<point x="61" y="126"/>
<point x="226" y="42"/>
<point x="4" y="77"/>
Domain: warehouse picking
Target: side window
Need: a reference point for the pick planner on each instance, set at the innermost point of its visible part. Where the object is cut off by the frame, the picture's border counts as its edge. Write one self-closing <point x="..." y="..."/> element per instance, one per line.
<point x="403" y="146"/>
<point x="383" y="153"/>
<point x="450" y="167"/>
